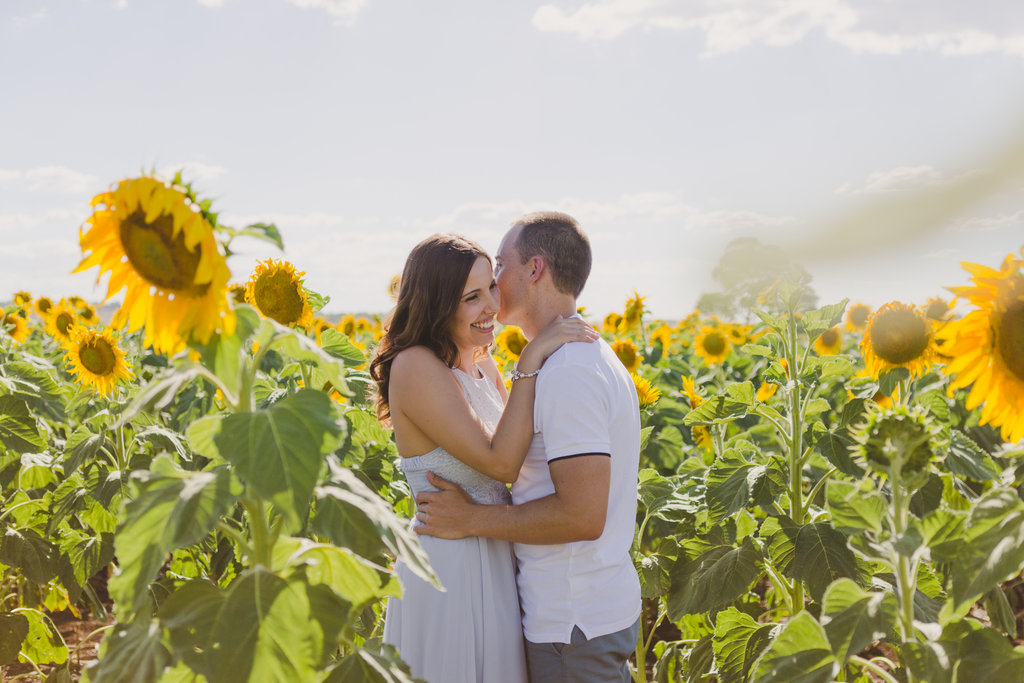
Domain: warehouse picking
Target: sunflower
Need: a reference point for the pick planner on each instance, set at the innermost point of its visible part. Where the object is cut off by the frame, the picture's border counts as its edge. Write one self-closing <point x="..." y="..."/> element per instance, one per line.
<point x="347" y="325"/>
<point x="647" y="394"/>
<point x="611" y="323"/>
<point x="511" y="341"/>
<point x="61" y="321"/>
<point x="987" y="345"/>
<point x="712" y="344"/>
<point x="829" y="342"/>
<point x="158" y="246"/>
<point x="275" y="289"/>
<point x="318" y="326"/>
<point x="23" y="299"/>
<point x="766" y="391"/>
<point x="87" y="315"/>
<point x="96" y="358"/>
<point x="394" y="287"/>
<point x="701" y="436"/>
<point x="626" y="351"/>
<point x="14" y="325"/>
<point x="857" y="317"/>
<point x="43" y="305"/>
<point x="237" y="293"/>
<point x="937" y="310"/>
<point x="690" y="391"/>
<point x="634" y="313"/>
<point x="898" y="336"/>
<point x="663" y="335"/>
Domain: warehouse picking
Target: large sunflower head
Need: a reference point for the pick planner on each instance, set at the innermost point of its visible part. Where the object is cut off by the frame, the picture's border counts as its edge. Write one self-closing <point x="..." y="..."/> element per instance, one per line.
<point x="898" y="336"/>
<point x="627" y="353"/>
<point x="43" y="305"/>
<point x="96" y="359"/>
<point x="986" y="346"/>
<point x="646" y="393"/>
<point x="61" y="321"/>
<point x="857" y="317"/>
<point x="712" y="344"/>
<point x="14" y="325"/>
<point x="611" y="323"/>
<point x="275" y="289"/>
<point x="511" y="341"/>
<point x="158" y="246"/>
<point x="634" y="313"/>
<point x="829" y="342"/>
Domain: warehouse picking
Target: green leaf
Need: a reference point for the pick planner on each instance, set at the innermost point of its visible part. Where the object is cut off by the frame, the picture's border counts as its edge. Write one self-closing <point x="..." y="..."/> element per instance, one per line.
<point x="735" y="402"/>
<point x="189" y="615"/>
<point x="87" y="554"/>
<point x="352" y="516"/>
<point x="223" y="354"/>
<point x="966" y="651"/>
<point x="36" y="387"/>
<point x="340" y="346"/>
<point x="816" y="407"/>
<point x="43" y="644"/>
<point x="131" y="653"/>
<point x="172" y="509"/>
<point x="81" y="447"/>
<point x="278" y="451"/>
<point x="653" y="571"/>
<point x="841" y="366"/>
<point x="364" y="666"/>
<point x="18" y="428"/>
<point x="738" y="642"/>
<point x="967" y="459"/>
<point x="800" y="654"/>
<point x="821" y="555"/>
<point x="729" y="483"/>
<point x="316" y="300"/>
<point x="992" y="551"/>
<point x="999" y="611"/>
<point x="888" y="381"/>
<point x="160" y="391"/>
<point x="26" y="550"/>
<point x="712" y="580"/>
<point x="353" y="578"/>
<point x="299" y="347"/>
<point x="813" y="323"/>
<point x="854" y="508"/>
<point x="854" y="618"/>
<point x="267" y="232"/>
<point x="264" y="628"/>
<point x="780" y="534"/>
<point x="13" y="630"/>
<point x="37" y="471"/>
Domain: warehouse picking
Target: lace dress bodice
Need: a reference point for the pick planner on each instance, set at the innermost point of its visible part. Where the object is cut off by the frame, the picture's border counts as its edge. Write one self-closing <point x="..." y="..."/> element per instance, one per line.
<point x="484" y="399"/>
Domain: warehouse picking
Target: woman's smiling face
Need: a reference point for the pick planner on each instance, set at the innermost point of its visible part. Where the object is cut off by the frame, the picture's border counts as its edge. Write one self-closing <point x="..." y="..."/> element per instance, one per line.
<point x="473" y="324"/>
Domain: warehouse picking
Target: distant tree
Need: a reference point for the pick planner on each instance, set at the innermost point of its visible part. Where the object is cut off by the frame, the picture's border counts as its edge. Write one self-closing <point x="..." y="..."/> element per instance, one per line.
<point x="746" y="273"/>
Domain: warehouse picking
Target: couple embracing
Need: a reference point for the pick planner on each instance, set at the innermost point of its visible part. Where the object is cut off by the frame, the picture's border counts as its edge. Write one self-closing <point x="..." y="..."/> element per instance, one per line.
<point x="539" y="583"/>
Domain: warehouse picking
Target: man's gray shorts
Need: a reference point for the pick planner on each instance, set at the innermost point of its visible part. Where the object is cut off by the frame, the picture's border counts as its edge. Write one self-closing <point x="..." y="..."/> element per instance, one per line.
<point x="604" y="659"/>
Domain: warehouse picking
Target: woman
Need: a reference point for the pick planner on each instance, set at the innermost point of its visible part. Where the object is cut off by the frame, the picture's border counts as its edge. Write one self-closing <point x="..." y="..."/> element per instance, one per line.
<point x="441" y="391"/>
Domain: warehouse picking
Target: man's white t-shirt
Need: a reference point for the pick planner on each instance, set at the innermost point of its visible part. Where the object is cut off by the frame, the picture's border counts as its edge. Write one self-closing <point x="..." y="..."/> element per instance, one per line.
<point x="586" y="403"/>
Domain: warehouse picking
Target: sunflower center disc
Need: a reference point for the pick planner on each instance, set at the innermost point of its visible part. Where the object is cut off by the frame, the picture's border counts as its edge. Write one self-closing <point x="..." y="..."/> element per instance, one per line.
<point x="45" y="306"/>
<point x="714" y="344"/>
<point x="159" y="256"/>
<point x="829" y="338"/>
<point x="1010" y="339"/>
<point x="63" y="322"/>
<point x="278" y="297"/>
<point x="899" y="337"/>
<point x="98" y="357"/>
<point x="859" y="316"/>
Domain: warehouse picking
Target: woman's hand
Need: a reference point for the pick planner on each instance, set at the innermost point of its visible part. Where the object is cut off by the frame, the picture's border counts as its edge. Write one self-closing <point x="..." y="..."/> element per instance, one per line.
<point x="559" y="331"/>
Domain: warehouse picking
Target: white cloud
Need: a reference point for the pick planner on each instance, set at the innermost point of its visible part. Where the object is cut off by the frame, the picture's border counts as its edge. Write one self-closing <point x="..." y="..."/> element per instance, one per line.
<point x="989" y="223"/>
<point x="876" y="26"/>
<point x="59" y="179"/>
<point x="34" y="18"/>
<point x="343" y="11"/>
<point x="896" y="179"/>
<point x="7" y="176"/>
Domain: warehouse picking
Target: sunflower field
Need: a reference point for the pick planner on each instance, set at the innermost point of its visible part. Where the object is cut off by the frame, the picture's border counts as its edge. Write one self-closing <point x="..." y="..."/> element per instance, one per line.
<point x="826" y="494"/>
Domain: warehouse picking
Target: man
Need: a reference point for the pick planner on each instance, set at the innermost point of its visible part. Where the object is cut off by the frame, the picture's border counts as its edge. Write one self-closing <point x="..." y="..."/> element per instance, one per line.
<point x="574" y="509"/>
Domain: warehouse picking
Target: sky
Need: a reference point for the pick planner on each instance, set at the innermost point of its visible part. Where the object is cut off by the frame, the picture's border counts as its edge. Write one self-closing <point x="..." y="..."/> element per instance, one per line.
<point x="881" y="142"/>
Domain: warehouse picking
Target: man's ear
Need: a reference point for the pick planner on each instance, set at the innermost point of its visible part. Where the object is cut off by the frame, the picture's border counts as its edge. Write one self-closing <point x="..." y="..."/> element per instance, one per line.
<point x="537" y="268"/>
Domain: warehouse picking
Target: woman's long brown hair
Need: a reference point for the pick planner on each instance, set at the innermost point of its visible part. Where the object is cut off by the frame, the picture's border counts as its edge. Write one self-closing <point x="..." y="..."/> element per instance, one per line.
<point x="433" y="280"/>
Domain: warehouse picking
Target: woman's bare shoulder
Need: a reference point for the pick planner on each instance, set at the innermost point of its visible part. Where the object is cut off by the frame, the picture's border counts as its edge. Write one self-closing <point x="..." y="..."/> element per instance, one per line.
<point x="415" y="359"/>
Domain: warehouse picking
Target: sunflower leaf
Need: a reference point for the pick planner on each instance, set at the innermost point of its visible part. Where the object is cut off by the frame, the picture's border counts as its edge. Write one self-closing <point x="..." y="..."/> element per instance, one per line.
<point x="967" y="459"/>
<point x="340" y="346"/>
<point x="19" y="431"/>
<point x="813" y="323"/>
<point x="267" y="232"/>
<point x="799" y="654"/>
<point x="316" y="300"/>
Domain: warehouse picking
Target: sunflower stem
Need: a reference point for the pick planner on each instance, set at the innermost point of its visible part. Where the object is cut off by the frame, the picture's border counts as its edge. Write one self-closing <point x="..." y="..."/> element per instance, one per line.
<point x="796" y="503"/>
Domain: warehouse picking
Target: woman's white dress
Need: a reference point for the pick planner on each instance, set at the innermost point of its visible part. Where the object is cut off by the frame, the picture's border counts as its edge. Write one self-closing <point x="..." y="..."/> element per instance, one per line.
<point x="472" y="632"/>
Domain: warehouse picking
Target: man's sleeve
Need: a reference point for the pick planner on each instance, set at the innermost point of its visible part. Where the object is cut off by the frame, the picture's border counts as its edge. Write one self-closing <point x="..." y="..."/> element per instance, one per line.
<point x="572" y="413"/>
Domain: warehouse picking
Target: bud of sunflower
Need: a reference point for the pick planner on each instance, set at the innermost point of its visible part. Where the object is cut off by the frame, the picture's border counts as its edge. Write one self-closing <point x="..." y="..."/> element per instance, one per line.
<point x="898" y="443"/>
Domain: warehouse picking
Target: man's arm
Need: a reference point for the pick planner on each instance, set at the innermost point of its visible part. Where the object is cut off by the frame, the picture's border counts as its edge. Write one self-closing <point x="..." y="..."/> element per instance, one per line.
<point x="574" y="512"/>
